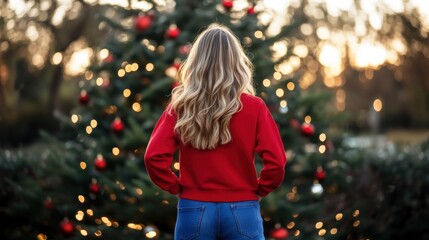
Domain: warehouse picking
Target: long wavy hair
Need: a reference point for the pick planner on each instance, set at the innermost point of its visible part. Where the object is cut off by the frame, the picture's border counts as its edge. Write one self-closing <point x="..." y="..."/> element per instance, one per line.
<point x="211" y="80"/>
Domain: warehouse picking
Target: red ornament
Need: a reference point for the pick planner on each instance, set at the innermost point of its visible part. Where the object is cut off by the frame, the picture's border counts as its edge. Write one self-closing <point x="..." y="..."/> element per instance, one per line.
<point x="320" y="174"/>
<point x="173" y="32"/>
<point x="307" y="129"/>
<point x="279" y="233"/>
<point x="227" y="4"/>
<point x="83" y="97"/>
<point x="143" y="23"/>
<point x="176" y="65"/>
<point x="251" y="11"/>
<point x="184" y="49"/>
<point x="175" y="84"/>
<point x="100" y="163"/>
<point x="48" y="204"/>
<point x="110" y="58"/>
<point x="294" y="123"/>
<point x="118" y="125"/>
<point x="329" y="146"/>
<point x="94" y="188"/>
<point x="67" y="227"/>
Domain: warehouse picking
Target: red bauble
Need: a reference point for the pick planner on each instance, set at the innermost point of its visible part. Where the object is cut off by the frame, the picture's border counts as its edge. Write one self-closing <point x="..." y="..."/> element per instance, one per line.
<point x="118" y="125"/>
<point x="227" y="4"/>
<point x="176" y="65"/>
<point x="48" y="204"/>
<point x="329" y="146"/>
<point x="294" y="123"/>
<point x="320" y="174"/>
<point x="279" y="233"/>
<point x="83" y="97"/>
<point x="94" y="188"/>
<point x="251" y="11"/>
<point x="67" y="227"/>
<point x="307" y="129"/>
<point x="173" y="32"/>
<point x="175" y="84"/>
<point x="184" y="49"/>
<point x="110" y="58"/>
<point x="100" y="163"/>
<point x="143" y="23"/>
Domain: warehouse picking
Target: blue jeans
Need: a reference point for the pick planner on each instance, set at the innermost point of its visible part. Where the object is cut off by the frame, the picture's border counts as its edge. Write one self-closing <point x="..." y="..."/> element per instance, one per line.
<point x="218" y="220"/>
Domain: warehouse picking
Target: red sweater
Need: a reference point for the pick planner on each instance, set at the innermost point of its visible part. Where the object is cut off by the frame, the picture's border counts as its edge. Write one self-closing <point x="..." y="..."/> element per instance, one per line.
<point x="226" y="173"/>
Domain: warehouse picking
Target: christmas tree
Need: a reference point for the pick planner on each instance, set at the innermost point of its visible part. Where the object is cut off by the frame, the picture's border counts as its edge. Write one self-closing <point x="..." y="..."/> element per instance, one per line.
<point x="95" y="185"/>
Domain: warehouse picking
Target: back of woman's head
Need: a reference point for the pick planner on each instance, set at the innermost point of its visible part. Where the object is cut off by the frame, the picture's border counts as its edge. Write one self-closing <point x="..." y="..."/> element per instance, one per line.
<point x="212" y="79"/>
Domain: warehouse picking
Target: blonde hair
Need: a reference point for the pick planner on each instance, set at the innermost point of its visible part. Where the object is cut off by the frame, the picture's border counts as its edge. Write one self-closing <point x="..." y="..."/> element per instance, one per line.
<point x="212" y="78"/>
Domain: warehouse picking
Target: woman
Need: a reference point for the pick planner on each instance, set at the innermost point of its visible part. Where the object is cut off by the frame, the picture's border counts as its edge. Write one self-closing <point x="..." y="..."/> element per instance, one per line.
<point x="217" y="124"/>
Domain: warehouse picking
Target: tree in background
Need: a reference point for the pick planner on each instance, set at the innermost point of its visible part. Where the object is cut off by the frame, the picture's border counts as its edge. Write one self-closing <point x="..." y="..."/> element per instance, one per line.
<point x="94" y="185"/>
<point x="39" y="41"/>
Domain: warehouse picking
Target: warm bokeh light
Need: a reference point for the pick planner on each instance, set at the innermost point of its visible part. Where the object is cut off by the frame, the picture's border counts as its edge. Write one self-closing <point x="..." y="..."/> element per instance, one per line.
<point x="377" y="105"/>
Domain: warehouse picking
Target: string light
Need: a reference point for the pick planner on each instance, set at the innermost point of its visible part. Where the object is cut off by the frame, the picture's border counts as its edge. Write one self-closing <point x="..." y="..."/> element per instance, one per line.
<point x="89" y="212"/>
<point x="307" y="119"/>
<point x="139" y="191"/>
<point x="322" y="149"/>
<point x="277" y="75"/>
<point x="99" y="81"/>
<point x="103" y="53"/>
<point x="82" y="165"/>
<point x="81" y="198"/>
<point x="128" y="68"/>
<point x="57" y="58"/>
<point x="322" y="137"/>
<point x="98" y="233"/>
<point x="176" y="166"/>
<point x="115" y="151"/>
<point x="93" y="123"/>
<point x="136" y="107"/>
<point x="88" y="129"/>
<point x="88" y="75"/>
<point x="319" y="225"/>
<point x="283" y="103"/>
<point x="106" y="221"/>
<point x="339" y="216"/>
<point x="378" y="105"/>
<point x="149" y="67"/>
<point x="79" y="215"/>
<point x="296" y="233"/>
<point x="41" y="236"/>
<point x="126" y="92"/>
<point x="280" y="92"/>
<point x="266" y="82"/>
<point x="121" y="186"/>
<point x="121" y="72"/>
<point x="134" y="67"/>
<point x="74" y="118"/>
<point x="113" y="197"/>
<point x="356" y="213"/>
<point x="83" y="232"/>
<point x="111" y="109"/>
<point x="322" y="232"/>
<point x="290" y="86"/>
<point x="334" y="231"/>
<point x="258" y="34"/>
<point x="356" y="223"/>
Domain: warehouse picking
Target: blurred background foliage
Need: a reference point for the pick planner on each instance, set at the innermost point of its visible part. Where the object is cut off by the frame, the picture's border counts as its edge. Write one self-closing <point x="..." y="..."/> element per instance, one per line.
<point x="362" y="50"/>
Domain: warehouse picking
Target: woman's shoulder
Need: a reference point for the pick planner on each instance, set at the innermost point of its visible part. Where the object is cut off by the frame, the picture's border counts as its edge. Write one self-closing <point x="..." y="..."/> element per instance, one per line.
<point x="250" y="99"/>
